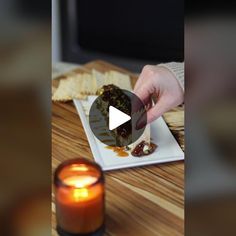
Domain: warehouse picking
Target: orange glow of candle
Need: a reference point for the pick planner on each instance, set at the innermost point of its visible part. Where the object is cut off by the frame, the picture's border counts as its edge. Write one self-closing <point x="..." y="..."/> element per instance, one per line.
<point x="79" y="193"/>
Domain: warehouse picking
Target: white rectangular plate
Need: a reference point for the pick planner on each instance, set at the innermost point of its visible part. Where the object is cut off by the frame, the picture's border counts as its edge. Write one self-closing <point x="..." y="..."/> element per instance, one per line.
<point x="168" y="149"/>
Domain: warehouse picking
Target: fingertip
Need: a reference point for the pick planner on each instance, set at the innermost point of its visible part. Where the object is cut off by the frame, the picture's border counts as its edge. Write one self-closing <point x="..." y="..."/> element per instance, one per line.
<point x="154" y="113"/>
<point x="151" y="118"/>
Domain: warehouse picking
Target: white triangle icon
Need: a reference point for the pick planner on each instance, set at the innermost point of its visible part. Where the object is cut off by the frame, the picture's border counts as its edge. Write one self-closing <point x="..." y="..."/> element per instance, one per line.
<point x="116" y="118"/>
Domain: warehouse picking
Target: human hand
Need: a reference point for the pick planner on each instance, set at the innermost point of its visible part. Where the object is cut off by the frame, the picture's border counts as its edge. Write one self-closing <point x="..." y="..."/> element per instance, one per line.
<point x="158" y="83"/>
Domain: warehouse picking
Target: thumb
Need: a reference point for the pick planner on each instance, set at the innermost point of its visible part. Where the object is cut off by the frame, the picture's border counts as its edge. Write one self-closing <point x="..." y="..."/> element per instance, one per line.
<point x="152" y="114"/>
<point x="157" y="110"/>
<point x="144" y="92"/>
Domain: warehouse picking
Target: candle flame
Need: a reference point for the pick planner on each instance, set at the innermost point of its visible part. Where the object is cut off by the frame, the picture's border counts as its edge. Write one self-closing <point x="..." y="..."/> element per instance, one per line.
<point x="80" y="193"/>
<point x="80" y="167"/>
<point x="80" y="181"/>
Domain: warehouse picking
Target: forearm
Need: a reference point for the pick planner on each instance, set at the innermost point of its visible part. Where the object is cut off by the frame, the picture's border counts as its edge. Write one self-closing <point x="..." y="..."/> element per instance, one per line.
<point x="177" y="68"/>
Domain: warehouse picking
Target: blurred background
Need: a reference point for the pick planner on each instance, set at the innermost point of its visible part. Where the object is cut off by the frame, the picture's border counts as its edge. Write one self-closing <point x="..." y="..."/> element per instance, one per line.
<point x="130" y="34"/>
<point x="210" y="116"/>
<point x="25" y="140"/>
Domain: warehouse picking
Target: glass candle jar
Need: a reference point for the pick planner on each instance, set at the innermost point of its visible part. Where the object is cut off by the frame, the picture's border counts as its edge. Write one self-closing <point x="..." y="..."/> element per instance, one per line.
<point x="79" y="197"/>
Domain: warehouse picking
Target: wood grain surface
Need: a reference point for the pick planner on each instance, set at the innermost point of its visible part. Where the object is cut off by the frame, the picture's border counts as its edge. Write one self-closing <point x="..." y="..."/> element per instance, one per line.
<point x="142" y="201"/>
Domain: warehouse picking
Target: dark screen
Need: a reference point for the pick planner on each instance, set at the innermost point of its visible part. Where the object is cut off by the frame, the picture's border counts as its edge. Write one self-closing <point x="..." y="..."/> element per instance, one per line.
<point x="150" y="29"/>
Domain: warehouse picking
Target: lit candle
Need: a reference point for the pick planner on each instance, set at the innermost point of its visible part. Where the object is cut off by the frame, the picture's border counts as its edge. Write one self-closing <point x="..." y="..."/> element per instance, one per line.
<point x="79" y="196"/>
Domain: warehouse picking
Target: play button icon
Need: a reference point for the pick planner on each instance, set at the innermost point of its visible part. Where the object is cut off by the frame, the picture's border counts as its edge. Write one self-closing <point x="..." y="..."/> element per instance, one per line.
<point x="113" y="117"/>
<point x="117" y="118"/>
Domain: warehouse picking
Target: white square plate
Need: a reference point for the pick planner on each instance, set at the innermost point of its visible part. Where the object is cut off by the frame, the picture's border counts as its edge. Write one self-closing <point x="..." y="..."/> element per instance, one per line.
<point x="168" y="149"/>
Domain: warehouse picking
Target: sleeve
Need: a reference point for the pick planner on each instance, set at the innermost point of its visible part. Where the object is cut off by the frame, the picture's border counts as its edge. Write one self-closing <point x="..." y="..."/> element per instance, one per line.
<point x="177" y="68"/>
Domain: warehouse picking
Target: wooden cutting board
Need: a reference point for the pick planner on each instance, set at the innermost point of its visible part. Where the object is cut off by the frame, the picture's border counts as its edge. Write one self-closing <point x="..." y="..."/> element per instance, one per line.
<point x="143" y="201"/>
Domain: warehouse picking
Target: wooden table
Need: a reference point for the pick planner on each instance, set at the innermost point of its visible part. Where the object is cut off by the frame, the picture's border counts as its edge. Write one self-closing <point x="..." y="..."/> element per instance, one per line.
<point x="143" y="201"/>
